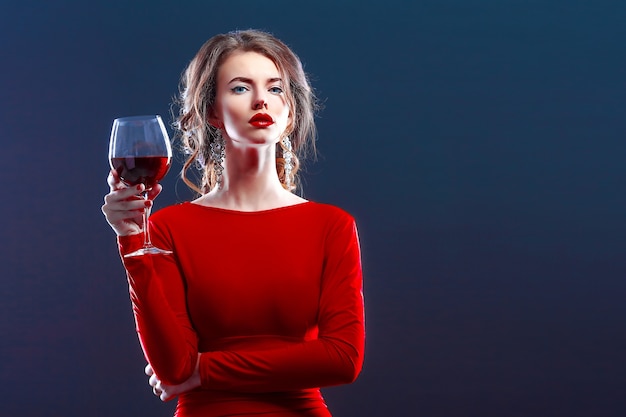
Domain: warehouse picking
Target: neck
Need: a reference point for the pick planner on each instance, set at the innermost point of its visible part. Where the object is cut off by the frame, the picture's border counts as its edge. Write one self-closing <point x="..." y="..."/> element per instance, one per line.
<point x="250" y="180"/>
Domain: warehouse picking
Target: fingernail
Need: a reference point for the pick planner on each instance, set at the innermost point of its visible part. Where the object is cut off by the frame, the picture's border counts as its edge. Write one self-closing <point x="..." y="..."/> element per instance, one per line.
<point x="139" y="187"/>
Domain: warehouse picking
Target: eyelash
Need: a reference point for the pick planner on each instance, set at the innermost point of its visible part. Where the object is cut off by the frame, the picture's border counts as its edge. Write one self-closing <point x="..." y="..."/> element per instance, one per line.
<point x="240" y="89"/>
<point x="280" y="90"/>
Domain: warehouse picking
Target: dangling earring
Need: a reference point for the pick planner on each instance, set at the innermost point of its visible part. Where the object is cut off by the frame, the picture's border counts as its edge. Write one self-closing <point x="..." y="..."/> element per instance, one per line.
<point x="217" y="156"/>
<point x="288" y="157"/>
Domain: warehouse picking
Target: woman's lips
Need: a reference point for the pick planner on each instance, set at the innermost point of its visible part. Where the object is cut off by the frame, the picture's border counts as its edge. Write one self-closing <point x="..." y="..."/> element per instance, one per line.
<point x="261" y="120"/>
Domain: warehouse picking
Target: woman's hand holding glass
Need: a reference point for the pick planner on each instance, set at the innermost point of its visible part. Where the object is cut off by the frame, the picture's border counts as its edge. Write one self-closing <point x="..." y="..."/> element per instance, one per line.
<point x="124" y="205"/>
<point x="140" y="154"/>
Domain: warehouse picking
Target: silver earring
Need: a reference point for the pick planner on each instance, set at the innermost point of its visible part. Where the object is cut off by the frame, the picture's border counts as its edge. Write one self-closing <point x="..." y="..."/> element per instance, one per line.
<point x="288" y="157"/>
<point x="217" y="156"/>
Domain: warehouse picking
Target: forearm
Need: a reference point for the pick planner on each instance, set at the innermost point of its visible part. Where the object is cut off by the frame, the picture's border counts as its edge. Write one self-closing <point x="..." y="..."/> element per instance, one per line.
<point x="166" y="346"/>
<point x="311" y="364"/>
<point x="167" y="338"/>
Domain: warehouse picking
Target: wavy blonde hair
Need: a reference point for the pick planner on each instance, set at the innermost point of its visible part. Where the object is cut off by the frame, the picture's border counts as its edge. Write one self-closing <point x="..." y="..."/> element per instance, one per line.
<point x="197" y="98"/>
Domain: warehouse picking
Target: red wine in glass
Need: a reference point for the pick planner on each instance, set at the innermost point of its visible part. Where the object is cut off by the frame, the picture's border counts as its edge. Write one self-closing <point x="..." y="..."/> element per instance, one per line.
<point x="135" y="170"/>
<point x="140" y="152"/>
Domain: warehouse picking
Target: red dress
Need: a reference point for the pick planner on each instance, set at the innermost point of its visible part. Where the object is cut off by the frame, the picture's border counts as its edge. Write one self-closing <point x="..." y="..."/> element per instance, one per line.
<point x="273" y="300"/>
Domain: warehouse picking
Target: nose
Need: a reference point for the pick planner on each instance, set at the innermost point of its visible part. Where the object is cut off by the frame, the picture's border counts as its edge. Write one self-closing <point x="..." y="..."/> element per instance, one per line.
<point x="259" y="103"/>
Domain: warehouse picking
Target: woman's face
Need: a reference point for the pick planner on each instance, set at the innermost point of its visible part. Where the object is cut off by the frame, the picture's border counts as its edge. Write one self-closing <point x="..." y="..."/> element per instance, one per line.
<point x="250" y="103"/>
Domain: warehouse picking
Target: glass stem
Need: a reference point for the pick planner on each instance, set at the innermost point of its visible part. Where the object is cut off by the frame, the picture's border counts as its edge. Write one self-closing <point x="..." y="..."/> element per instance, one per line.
<point x="146" y="230"/>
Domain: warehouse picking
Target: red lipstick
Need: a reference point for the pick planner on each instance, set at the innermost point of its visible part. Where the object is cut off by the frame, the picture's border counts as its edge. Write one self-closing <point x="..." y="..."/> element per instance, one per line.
<point x="261" y="120"/>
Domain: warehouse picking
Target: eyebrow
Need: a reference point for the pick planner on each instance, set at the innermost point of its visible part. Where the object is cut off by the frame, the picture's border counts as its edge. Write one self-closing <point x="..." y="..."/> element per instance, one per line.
<point x="249" y="81"/>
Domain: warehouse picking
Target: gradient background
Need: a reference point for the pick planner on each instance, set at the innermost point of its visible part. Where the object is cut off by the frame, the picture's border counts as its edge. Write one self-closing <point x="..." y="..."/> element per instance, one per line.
<point x="479" y="144"/>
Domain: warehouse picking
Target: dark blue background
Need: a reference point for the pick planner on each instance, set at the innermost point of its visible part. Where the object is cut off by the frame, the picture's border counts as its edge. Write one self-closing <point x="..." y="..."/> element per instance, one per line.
<point x="479" y="144"/>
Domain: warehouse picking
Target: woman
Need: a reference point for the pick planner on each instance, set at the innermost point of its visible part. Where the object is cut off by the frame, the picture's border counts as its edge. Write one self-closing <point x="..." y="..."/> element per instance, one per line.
<point x="260" y="304"/>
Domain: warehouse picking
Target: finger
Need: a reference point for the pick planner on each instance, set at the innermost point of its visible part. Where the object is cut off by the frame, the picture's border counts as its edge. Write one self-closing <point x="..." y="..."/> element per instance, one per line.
<point x="115" y="198"/>
<point x="114" y="181"/>
<point x="154" y="191"/>
<point x="164" y="396"/>
<point x="125" y="194"/>
<point x="148" y="370"/>
<point x="116" y="201"/>
<point x="125" y="211"/>
<point x="158" y="388"/>
<point x="153" y="381"/>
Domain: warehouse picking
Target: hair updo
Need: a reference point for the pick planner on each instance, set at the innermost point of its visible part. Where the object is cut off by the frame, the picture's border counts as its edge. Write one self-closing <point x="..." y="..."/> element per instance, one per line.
<point x="197" y="98"/>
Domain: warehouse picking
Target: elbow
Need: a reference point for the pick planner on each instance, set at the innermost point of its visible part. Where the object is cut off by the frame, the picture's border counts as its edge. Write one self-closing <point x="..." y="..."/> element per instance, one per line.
<point x="347" y="359"/>
<point x="348" y="367"/>
<point x="350" y="371"/>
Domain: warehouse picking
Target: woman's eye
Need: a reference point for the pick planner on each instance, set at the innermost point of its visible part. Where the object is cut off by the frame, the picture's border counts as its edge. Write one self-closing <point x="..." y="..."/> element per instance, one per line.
<point x="239" y="89"/>
<point x="276" y="90"/>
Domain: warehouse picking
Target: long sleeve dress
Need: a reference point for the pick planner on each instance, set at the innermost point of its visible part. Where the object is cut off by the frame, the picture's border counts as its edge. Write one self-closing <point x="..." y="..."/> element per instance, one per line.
<point x="272" y="299"/>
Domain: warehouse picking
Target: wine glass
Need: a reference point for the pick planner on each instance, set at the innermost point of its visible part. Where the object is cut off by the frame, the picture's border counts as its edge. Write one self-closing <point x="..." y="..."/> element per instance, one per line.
<point x="140" y="153"/>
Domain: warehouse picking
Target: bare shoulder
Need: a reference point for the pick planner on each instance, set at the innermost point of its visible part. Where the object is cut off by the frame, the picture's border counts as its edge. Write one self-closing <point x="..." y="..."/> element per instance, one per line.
<point x="291" y="199"/>
<point x="206" y="200"/>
